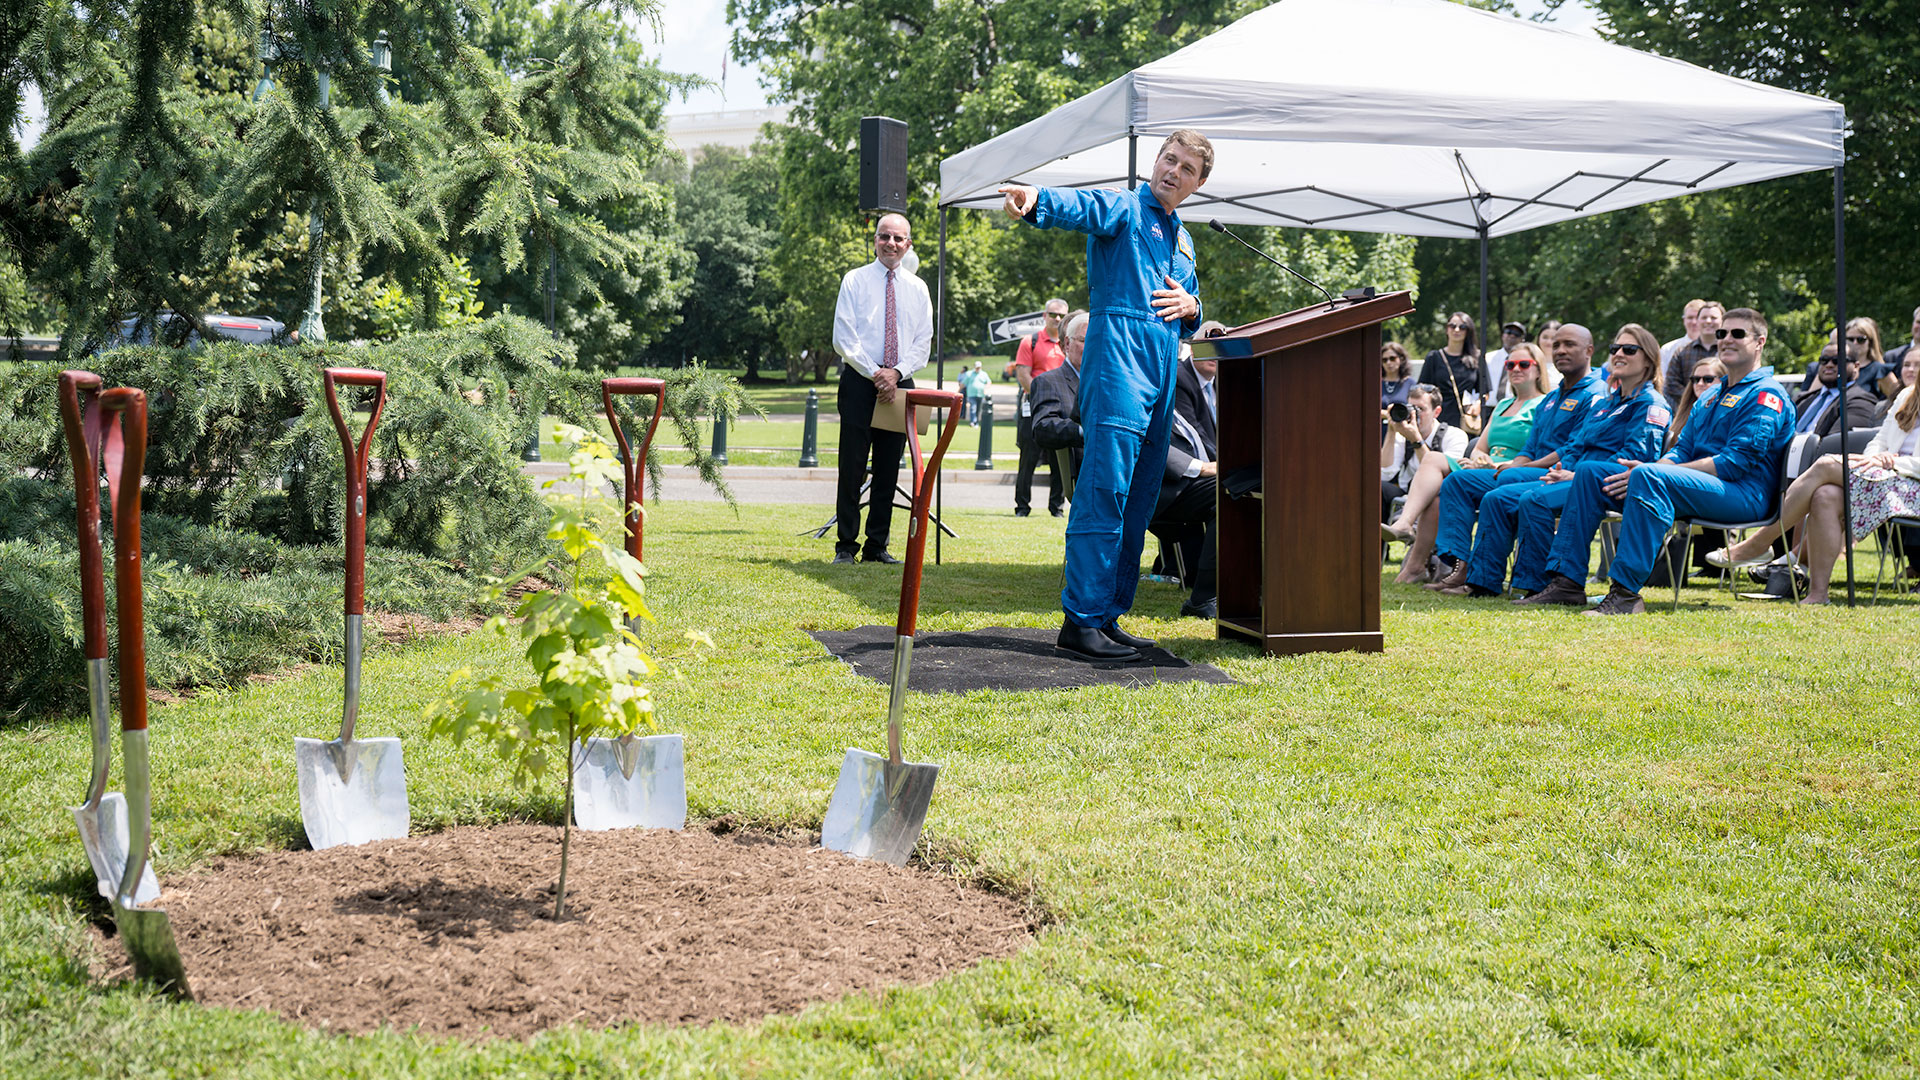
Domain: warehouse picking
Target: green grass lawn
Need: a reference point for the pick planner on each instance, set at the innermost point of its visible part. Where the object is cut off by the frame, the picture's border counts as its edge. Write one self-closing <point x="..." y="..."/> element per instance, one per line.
<point x="1514" y="843"/>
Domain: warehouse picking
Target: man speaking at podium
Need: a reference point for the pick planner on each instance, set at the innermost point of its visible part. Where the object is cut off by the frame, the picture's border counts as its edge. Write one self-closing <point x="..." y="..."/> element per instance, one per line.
<point x="1143" y="294"/>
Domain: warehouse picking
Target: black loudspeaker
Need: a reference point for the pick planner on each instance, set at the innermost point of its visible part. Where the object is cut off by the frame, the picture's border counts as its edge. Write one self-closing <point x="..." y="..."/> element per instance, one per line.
<point x="883" y="164"/>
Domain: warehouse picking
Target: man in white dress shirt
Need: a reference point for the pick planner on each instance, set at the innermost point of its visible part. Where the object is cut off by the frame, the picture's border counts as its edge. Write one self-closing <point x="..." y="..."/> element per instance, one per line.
<point x="883" y="331"/>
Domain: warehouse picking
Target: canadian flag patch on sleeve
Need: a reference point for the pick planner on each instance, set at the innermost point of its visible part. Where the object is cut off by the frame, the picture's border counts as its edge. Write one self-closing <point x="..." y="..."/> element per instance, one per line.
<point x="1659" y="417"/>
<point x="1771" y="400"/>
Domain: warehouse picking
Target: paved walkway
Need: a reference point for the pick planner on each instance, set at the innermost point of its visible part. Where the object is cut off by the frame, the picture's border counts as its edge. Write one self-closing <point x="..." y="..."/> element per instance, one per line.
<point x="967" y="489"/>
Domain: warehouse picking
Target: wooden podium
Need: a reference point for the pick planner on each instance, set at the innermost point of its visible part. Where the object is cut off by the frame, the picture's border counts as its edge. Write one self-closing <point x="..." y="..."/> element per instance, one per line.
<point x="1299" y="406"/>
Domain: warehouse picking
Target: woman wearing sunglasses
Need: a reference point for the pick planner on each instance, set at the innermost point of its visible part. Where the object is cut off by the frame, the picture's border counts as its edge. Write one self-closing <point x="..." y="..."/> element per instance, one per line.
<point x="1531" y="378"/>
<point x="1455" y="369"/>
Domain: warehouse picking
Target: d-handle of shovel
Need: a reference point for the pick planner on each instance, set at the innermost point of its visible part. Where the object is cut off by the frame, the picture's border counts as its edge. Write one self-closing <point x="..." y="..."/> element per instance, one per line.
<point x="356" y="548"/>
<point x="922" y="496"/>
<point x="86" y="430"/>
<point x="633" y="460"/>
<point x="131" y="407"/>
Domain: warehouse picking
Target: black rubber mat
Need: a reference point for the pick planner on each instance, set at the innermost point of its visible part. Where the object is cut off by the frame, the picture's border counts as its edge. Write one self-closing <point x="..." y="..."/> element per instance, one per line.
<point x="1001" y="658"/>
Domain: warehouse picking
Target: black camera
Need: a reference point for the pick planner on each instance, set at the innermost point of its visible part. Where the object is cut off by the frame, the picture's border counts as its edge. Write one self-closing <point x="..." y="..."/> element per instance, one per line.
<point x="1399" y="413"/>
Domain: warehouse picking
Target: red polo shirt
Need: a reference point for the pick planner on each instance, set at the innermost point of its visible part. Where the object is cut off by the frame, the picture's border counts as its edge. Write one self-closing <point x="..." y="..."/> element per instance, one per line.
<point x="1040" y="352"/>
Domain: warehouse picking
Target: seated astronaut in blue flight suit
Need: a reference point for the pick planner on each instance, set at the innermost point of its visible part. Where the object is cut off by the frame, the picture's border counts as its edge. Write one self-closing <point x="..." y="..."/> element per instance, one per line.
<point x="1143" y="293"/>
<point x="1630" y="422"/>
<point x="1724" y="467"/>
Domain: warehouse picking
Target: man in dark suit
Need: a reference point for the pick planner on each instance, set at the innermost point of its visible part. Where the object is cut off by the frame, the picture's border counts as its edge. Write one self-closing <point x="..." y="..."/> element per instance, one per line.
<point x="1194" y="391"/>
<point x="1815" y="410"/>
<point x="1055" y="395"/>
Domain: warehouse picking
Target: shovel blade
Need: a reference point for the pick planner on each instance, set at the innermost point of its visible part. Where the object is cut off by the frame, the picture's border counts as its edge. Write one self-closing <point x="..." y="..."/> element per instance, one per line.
<point x="654" y="796"/>
<point x="878" y="808"/>
<point x="148" y="935"/>
<point x="103" y="832"/>
<point x="371" y="804"/>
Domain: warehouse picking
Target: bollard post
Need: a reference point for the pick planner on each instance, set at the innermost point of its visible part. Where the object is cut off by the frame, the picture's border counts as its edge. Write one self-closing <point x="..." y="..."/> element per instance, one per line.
<point x="810" y="435"/>
<point x="532" y="452"/>
<point x="985" y="460"/>
<point x="719" y="441"/>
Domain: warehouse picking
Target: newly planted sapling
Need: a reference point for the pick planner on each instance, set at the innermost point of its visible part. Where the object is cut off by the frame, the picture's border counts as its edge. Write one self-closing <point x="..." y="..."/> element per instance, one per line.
<point x="587" y="664"/>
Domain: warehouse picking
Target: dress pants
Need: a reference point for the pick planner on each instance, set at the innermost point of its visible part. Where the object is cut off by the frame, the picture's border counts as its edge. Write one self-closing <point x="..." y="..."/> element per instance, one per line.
<point x="857" y="438"/>
<point x="1030" y="456"/>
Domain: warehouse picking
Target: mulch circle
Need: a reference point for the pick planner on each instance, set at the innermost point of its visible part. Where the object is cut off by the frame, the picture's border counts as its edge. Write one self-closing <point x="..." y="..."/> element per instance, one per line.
<point x="452" y="932"/>
<point x="1002" y="658"/>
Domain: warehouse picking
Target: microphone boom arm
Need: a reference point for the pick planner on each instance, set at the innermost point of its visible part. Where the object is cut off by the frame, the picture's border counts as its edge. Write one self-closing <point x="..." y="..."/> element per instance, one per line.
<point x="1215" y="225"/>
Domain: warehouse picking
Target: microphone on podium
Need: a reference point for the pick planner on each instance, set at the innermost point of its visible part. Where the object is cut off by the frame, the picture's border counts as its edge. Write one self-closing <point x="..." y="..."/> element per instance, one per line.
<point x="1215" y="225"/>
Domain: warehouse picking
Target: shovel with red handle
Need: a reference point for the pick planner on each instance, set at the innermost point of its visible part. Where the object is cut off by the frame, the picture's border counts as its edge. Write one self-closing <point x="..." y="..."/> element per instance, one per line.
<point x="147" y="932"/>
<point x="632" y="780"/>
<point x="880" y="803"/>
<point x="353" y="791"/>
<point x="91" y="441"/>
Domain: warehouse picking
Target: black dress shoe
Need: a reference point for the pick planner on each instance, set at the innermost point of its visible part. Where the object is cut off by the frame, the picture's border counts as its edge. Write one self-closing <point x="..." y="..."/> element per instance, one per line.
<point x="1200" y="609"/>
<point x="1560" y="590"/>
<point x="1057" y="512"/>
<point x="1087" y="643"/>
<point x="843" y="558"/>
<point x="1131" y="641"/>
<point x="1020" y="511"/>
<point x="880" y="557"/>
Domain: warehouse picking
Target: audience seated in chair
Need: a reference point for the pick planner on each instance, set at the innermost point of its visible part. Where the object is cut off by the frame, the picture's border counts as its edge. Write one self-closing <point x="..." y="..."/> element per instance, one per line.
<point x="1506" y="434"/>
<point x="1885" y="485"/>
<point x="1557" y="420"/>
<point x="1420" y="445"/>
<point x="1724" y="467"/>
<point x="1630" y="421"/>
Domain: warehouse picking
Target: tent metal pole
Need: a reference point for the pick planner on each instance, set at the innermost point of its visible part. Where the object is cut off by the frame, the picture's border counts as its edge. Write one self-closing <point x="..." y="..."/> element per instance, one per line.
<point x="1133" y="159"/>
<point x="1485" y="336"/>
<point x="940" y="370"/>
<point x="1840" y="339"/>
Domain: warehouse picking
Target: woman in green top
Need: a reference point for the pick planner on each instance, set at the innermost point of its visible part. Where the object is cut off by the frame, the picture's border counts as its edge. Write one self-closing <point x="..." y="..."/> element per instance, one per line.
<point x="1529" y="374"/>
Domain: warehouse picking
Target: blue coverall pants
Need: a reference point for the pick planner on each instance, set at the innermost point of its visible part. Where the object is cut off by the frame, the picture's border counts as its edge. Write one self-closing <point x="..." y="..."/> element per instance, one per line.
<point x="1586" y="504"/>
<point x="1460" y="497"/>
<point x="1126" y="415"/>
<point x="1538" y="509"/>
<point x="1656" y="496"/>
<point x="1499" y="518"/>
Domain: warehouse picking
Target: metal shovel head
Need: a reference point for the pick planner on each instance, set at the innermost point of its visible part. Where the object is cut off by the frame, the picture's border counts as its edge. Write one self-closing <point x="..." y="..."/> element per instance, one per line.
<point x="369" y="803"/>
<point x="148" y="935"/>
<point x="636" y="782"/>
<point x="103" y="831"/>
<point x="878" y="807"/>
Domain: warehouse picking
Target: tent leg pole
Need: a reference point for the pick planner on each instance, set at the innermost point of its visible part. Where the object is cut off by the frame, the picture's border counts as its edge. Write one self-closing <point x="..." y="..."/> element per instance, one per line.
<point x="940" y="368"/>
<point x="1840" y="337"/>
<point x="1485" y="336"/>
<point x="1133" y="161"/>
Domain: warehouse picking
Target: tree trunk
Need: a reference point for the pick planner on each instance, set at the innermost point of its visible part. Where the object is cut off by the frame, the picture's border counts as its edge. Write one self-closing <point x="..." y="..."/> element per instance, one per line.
<point x="566" y="831"/>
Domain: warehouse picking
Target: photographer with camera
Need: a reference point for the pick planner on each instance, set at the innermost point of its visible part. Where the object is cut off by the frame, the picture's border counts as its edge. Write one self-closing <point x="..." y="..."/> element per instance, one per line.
<point x="1414" y="433"/>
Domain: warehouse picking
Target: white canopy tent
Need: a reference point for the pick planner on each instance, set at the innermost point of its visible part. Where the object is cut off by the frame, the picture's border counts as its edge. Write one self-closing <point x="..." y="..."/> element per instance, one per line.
<point x="1400" y="116"/>
<point x="1420" y="117"/>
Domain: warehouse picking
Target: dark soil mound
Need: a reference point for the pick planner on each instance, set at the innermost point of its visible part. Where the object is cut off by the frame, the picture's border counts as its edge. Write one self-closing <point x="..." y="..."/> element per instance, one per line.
<point x="452" y="933"/>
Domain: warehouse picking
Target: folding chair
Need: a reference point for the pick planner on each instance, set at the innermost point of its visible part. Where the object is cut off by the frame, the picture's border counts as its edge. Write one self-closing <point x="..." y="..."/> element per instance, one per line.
<point x="1890" y="538"/>
<point x="1794" y="459"/>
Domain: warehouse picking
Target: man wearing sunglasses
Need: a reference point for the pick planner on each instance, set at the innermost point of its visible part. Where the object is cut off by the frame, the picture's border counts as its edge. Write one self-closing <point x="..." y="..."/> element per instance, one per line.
<point x="1556" y="420"/>
<point x="1725" y="467"/>
<point x="1815" y="410"/>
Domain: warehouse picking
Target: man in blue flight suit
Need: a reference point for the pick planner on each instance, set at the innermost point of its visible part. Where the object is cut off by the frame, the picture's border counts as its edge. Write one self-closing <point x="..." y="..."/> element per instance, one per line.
<point x="1140" y="274"/>
<point x="1630" y="422"/>
<point x="1725" y="466"/>
<point x="1556" y="420"/>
